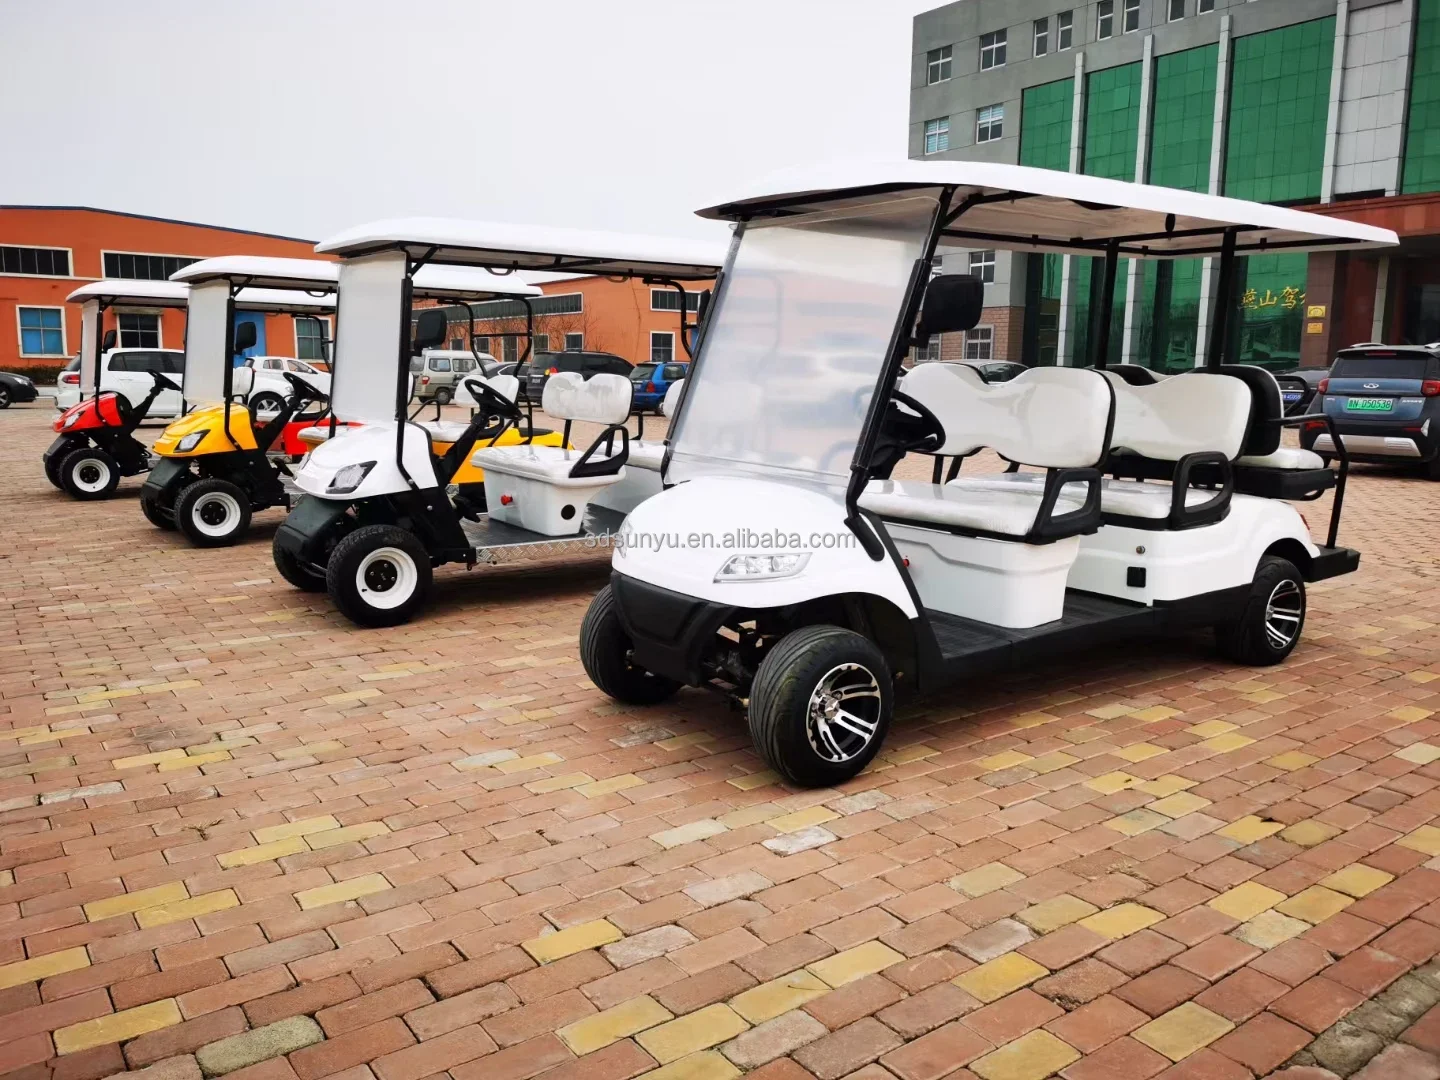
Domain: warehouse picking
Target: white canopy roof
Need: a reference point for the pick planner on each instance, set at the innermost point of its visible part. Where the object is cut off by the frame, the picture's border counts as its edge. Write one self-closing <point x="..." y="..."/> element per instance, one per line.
<point x="272" y="273"/>
<point x="1027" y="209"/>
<point x="282" y="300"/>
<point x="150" y="293"/>
<point x="527" y="247"/>
<point x="468" y="283"/>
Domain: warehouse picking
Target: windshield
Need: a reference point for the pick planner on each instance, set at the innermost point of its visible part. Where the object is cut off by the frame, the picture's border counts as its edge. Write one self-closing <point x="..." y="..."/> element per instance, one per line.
<point x="796" y="343"/>
<point x="642" y="372"/>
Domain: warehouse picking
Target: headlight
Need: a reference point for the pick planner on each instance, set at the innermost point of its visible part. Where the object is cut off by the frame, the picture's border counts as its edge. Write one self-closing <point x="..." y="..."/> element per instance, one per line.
<point x="349" y="478"/>
<point x="189" y="442"/>
<point x="763" y="567"/>
<point x="70" y="419"/>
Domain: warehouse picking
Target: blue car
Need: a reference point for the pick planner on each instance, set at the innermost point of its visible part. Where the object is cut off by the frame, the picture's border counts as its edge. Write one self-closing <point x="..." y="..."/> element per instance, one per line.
<point x="652" y="380"/>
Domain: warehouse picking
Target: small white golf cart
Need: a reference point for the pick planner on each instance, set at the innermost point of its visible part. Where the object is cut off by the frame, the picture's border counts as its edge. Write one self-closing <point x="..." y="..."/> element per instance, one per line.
<point x="383" y="506"/>
<point x="784" y="566"/>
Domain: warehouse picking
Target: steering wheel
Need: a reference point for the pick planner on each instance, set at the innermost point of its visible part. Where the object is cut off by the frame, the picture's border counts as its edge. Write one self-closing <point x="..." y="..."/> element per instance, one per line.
<point x="493" y="403"/>
<point x="931" y="434"/>
<point x="162" y="382"/>
<point x="303" y="390"/>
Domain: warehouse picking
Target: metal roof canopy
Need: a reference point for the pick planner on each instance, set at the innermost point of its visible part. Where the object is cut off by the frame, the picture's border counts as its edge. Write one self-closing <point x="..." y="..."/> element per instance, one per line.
<point x="113" y="291"/>
<point x="1021" y="208"/>
<point x="508" y="248"/>
<point x="305" y="275"/>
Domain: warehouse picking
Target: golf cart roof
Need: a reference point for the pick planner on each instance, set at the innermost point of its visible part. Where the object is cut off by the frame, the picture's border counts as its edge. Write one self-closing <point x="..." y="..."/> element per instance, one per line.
<point x="273" y="273"/>
<point x="282" y="301"/>
<point x="151" y="293"/>
<point x="525" y="247"/>
<point x="1021" y="208"/>
<point x="467" y="283"/>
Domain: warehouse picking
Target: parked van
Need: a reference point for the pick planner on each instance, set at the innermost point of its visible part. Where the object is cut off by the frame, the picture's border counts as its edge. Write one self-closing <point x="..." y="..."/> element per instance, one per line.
<point x="438" y="372"/>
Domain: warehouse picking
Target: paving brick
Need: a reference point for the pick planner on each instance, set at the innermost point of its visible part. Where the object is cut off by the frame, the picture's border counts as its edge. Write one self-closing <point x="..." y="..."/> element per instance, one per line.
<point x="260" y="1044"/>
<point x="184" y="1038"/>
<point x="1030" y="1057"/>
<point x="844" y="1051"/>
<point x="350" y="1049"/>
<point x="698" y="1031"/>
<point x="1262" y="1043"/>
<point x="996" y="978"/>
<point x="936" y="1054"/>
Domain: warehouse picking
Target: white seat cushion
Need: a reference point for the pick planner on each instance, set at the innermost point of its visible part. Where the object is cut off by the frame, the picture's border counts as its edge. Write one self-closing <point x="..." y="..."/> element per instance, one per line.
<point x="1009" y="511"/>
<point x="601" y="399"/>
<point x="551" y="464"/>
<point x="445" y="431"/>
<point x="1125" y="498"/>
<point x="318" y="433"/>
<point x="646" y="455"/>
<point x="1286" y="457"/>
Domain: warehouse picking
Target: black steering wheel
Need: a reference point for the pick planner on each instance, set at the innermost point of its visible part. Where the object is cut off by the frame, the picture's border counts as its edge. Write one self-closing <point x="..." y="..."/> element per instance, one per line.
<point x="304" y="391"/>
<point x="493" y="403"/>
<point x="929" y="435"/>
<point x="163" y="382"/>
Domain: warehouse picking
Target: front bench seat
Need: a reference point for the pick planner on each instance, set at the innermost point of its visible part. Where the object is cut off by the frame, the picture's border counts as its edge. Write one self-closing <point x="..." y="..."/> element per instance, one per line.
<point x="651" y="455"/>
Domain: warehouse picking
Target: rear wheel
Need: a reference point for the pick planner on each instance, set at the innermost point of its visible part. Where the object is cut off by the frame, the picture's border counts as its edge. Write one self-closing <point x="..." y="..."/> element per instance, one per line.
<point x="213" y="512"/>
<point x="605" y="652"/>
<point x="4" y="397"/>
<point x="293" y="570"/>
<point x="89" y="473"/>
<point x="150" y="507"/>
<point x="379" y="575"/>
<point x="443" y="395"/>
<point x="1432" y="468"/>
<point x="820" y="705"/>
<point x="267" y="401"/>
<point x="1268" y="629"/>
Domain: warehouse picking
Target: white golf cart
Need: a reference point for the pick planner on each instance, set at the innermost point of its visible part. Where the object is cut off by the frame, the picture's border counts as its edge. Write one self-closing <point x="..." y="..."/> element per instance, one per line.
<point x="807" y="584"/>
<point x="383" y="507"/>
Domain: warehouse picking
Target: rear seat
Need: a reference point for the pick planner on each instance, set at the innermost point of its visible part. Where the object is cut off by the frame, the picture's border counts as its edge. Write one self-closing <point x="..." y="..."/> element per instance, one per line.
<point x="651" y="455"/>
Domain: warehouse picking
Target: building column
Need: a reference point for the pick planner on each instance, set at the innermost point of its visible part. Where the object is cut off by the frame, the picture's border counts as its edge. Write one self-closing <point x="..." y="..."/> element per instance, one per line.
<point x="1142" y="157"/>
<point x="1332" y="115"/>
<point x="1067" y="289"/>
<point x="1217" y="175"/>
<point x="1382" y="297"/>
<point x="1324" y="283"/>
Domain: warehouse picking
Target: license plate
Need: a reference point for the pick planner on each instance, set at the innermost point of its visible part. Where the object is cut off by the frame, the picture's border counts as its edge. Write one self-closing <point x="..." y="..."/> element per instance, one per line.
<point x="1292" y="397"/>
<point x="1369" y="404"/>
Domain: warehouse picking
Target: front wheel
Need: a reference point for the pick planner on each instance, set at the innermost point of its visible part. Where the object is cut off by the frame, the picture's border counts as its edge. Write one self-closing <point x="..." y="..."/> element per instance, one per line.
<point x="605" y="652"/>
<point x="1268" y="628"/>
<point x="4" y="398"/>
<point x="820" y="705"/>
<point x="213" y="512"/>
<point x="89" y="473"/>
<point x="379" y="575"/>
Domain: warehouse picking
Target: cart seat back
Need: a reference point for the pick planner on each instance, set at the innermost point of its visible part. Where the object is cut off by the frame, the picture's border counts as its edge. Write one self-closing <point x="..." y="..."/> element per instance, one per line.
<point x="242" y="382"/>
<point x="1267" y="407"/>
<point x="507" y="386"/>
<point x="1193" y="413"/>
<point x="601" y="399"/>
<point x="670" y="404"/>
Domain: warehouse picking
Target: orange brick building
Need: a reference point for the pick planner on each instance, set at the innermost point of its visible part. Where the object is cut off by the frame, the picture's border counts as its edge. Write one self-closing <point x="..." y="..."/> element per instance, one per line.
<point x="46" y="252"/>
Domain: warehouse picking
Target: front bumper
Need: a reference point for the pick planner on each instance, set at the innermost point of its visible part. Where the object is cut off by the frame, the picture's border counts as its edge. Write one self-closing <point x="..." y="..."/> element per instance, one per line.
<point x="669" y="631"/>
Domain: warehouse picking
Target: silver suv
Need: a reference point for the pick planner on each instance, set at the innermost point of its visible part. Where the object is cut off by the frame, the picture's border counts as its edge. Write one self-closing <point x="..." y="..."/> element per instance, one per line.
<point x="438" y="372"/>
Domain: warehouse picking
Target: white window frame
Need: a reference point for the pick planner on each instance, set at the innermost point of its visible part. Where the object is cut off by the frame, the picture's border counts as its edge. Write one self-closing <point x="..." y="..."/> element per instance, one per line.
<point x="999" y="43"/>
<point x="989" y="119"/>
<point x="985" y="335"/>
<point x="579" y="345"/>
<point x="146" y="255"/>
<point x="655" y="293"/>
<point x="540" y="343"/>
<point x="982" y="262"/>
<point x="1127" y="9"/>
<point x="1170" y="10"/>
<point x="19" y="332"/>
<point x="69" y="253"/>
<point x="154" y="313"/>
<point x="1040" y="37"/>
<point x="930" y="354"/>
<point x="939" y="132"/>
<point x="1064" y="31"/>
<point x="510" y="349"/>
<point x="1105" y="20"/>
<point x="942" y="67"/>
<point x="327" y="328"/>
<point x="669" y="335"/>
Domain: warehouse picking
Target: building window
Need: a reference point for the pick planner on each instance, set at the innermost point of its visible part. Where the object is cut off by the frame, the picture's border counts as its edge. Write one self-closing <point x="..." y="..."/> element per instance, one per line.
<point x="139" y="331"/>
<point x="992" y="50"/>
<point x="1204" y="6"/>
<point x="982" y="265"/>
<point x="33" y="261"/>
<point x="669" y="300"/>
<point x="136" y="267"/>
<point x="1064" y="30"/>
<point x="937" y="135"/>
<point x="929" y="354"/>
<point x="1132" y="16"/>
<point x="541" y="343"/>
<point x="937" y="65"/>
<point x="1104" y="19"/>
<point x="662" y="347"/>
<point x="980" y="343"/>
<point x="1177" y="10"/>
<point x="562" y="304"/>
<point x="309" y="338"/>
<point x="574" y="342"/>
<point x="989" y="123"/>
<point x="42" y="331"/>
<point x="482" y="345"/>
<point x="1042" y="36"/>
<point x="510" y="350"/>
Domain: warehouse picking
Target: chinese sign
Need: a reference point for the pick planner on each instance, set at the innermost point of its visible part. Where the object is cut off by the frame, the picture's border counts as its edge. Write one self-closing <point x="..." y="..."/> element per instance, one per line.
<point x="1288" y="299"/>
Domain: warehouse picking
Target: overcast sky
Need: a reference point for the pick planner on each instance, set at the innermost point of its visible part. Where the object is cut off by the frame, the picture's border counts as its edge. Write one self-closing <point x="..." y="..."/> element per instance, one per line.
<point x="303" y="117"/>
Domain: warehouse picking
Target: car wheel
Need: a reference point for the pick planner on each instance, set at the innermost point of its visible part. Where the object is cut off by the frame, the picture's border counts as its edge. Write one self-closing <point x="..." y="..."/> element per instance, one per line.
<point x="443" y="395"/>
<point x="1269" y="627"/>
<point x="89" y="473"/>
<point x="267" y="401"/>
<point x="1432" y="468"/>
<point x="293" y="570"/>
<point x="820" y="705"/>
<point x="605" y="652"/>
<point x="379" y="575"/>
<point x="4" y="397"/>
<point x="213" y="512"/>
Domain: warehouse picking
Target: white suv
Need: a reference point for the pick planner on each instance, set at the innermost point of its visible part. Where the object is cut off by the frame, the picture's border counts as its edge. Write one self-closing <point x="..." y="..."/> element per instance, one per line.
<point x="127" y="371"/>
<point x="272" y="388"/>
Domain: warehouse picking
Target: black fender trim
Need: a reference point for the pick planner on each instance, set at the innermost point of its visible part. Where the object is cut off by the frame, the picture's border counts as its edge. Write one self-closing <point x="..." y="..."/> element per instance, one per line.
<point x="669" y="631"/>
<point x="1332" y="562"/>
<point x="163" y="482"/>
<point x="305" y="528"/>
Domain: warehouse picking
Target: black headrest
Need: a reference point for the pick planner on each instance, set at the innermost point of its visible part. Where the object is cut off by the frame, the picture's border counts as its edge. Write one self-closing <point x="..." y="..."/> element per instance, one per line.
<point x="1134" y="374"/>
<point x="1262" y="436"/>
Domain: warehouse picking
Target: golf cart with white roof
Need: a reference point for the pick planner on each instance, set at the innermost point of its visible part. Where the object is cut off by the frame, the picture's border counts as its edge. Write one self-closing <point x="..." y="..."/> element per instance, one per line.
<point x="809" y="585"/>
<point x="219" y="461"/>
<point x="383" y="507"/>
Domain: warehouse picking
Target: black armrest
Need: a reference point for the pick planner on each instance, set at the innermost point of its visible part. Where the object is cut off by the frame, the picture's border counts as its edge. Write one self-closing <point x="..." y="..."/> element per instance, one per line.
<point x="1338" y="448"/>
<point x="609" y="465"/>
<point x="1049" y="526"/>
<point x="1183" y="516"/>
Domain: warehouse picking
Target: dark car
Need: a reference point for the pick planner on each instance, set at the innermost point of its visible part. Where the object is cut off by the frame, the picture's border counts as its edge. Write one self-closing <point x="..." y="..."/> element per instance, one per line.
<point x="1384" y="401"/>
<point x="542" y="365"/>
<point x="996" y="371"/>
<point x="651" y="381"/>
<point x="15" y="389"/>
<point x="1299" y="387"/>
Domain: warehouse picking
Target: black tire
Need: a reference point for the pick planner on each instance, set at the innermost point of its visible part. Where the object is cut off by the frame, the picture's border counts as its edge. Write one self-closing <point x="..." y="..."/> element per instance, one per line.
<point x="1432" y="468"/>
<point x="267" y="401"/>
<point x="52" y="468"/>
<point x="799" y="743"/>
<point x="150" y="507"/>
<point x="379" y="575"/>
<point x="4" y="397"/>
<point x="213" y="512"/>
<point x="293" y="570"/>
<point x="443" y="395"/>
<point x="89" y="473"/>
<point x="1261" y="635"/>
<point x="605" y="652"/>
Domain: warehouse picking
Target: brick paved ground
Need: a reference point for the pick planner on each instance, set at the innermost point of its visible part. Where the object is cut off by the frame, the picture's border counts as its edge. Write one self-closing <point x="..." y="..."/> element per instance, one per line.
<point x="239" y="836"/>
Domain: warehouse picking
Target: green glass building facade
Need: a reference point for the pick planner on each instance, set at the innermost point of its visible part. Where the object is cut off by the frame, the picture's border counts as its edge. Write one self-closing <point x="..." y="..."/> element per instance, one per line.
<point x="1046" y="115"/>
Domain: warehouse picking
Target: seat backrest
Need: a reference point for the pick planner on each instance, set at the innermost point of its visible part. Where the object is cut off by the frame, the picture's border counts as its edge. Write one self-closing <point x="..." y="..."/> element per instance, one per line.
<point x="671" y="404"/>
<point x="1136" y="375"/>
<point x="1194" y="412"/>
<point x="242" y="381"/>
<point x="601" y="399"/>
<point x="507" y="386"/>
<point x="1050" y="417"/>
<point x="1267" y="407"/>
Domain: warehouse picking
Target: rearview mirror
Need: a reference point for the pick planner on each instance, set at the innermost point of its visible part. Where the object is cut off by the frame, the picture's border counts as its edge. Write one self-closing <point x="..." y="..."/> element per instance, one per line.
<point x="430" y="330"/>
<point x="953" y="302"/>
<point x="108" y="341"/>
<point x="244" y="338"/>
